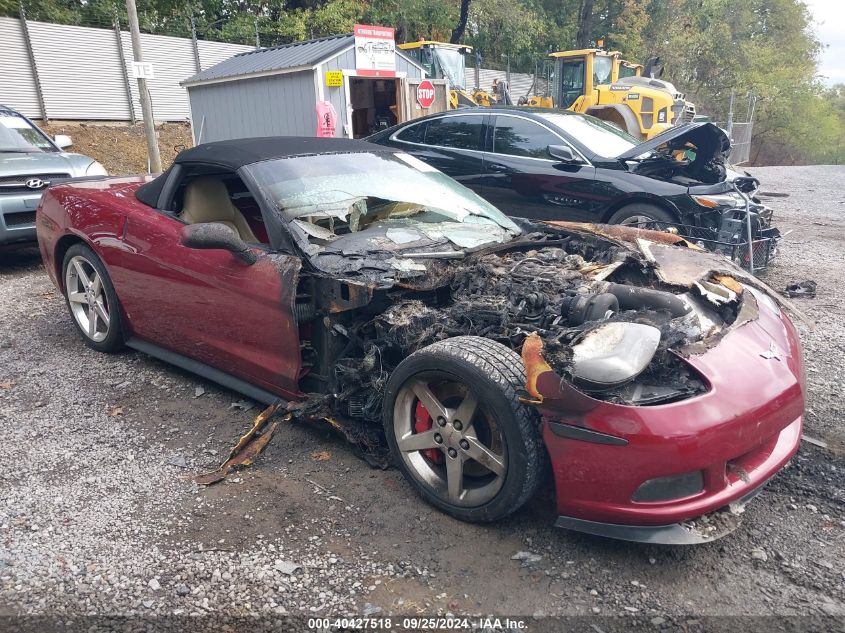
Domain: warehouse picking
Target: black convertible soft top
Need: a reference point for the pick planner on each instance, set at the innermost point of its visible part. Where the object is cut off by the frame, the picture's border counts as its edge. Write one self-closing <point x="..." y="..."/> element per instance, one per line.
<point x="236" y="153"/>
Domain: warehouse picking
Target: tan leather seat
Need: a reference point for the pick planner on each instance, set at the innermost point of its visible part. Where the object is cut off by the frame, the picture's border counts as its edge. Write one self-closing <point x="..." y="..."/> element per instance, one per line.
<point x="207" y="200"/>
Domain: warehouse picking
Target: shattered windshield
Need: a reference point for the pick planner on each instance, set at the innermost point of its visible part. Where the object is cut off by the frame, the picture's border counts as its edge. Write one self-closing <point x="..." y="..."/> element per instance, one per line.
<point x="393" y="199"/>
<point x="601" y="138"/>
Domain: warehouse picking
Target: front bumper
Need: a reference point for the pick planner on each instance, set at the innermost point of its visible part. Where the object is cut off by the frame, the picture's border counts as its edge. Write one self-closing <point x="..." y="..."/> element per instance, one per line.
<point x="734" y="438"/>
<point x="726" y="230"/>
<point x="17" y="218"/>
<point x="707" y="527"/>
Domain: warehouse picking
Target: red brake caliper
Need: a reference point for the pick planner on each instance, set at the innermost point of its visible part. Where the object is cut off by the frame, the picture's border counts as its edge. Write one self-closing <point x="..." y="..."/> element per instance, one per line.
<point x="423" y="423"/>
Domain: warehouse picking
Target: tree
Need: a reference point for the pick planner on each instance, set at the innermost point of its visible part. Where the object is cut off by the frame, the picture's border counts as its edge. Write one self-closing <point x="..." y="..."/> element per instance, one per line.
<point x="585" y="24"/>
<point x="458" y="33"/>
<point x="502" y="29"/>
<point x="709" y="47"/>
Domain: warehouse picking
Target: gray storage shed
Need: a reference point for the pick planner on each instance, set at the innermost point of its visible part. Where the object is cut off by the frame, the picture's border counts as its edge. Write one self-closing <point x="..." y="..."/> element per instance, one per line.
<point x="275" y="92"/>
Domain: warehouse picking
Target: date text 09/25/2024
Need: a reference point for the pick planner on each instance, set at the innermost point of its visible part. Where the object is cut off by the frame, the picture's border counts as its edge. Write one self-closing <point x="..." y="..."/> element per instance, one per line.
<point x="416" y="624"/>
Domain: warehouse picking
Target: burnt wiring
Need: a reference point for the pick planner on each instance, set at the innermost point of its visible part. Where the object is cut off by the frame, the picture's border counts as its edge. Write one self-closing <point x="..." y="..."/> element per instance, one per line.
<point x="504" y="294"/>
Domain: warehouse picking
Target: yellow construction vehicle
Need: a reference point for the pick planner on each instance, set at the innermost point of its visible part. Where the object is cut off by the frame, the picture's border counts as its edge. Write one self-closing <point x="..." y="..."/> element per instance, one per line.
<point x="442" y="60"/>
<point x="600" y="83"/>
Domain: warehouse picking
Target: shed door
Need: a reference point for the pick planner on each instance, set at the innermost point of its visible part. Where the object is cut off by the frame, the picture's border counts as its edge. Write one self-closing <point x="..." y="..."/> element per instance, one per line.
<point x="410" y="107"/>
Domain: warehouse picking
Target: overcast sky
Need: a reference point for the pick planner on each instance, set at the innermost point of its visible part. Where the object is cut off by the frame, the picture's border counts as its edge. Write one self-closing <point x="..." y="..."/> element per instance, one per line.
<point x="829" y="18"/>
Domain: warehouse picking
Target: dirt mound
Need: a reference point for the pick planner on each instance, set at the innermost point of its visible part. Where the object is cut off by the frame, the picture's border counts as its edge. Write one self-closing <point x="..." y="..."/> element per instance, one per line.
<point x="121" y="147"/>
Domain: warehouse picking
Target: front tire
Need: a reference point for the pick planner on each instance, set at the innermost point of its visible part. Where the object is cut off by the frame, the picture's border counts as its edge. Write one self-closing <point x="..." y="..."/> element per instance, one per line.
<point x="458" y="432"/>
<point x="642" y="215"/>
<point x="91" y="299"/>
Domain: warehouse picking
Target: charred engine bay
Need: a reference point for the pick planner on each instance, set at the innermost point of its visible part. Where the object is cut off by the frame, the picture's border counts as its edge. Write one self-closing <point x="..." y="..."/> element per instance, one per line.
<point x="683" y="171"/>
<point x="695" y="157"/>
<point x="562" y="290"/>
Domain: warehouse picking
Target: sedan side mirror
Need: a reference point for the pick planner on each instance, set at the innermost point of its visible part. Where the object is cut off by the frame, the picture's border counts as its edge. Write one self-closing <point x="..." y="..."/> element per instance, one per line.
<point x="215" y="235"/>
<point x="62" y="141"/>
<point x="563" y="153"/>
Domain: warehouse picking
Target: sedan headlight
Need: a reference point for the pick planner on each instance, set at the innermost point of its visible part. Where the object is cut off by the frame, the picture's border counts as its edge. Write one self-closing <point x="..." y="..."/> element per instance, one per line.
<point x="96" y="169"/>
<point x="730" y="200"/>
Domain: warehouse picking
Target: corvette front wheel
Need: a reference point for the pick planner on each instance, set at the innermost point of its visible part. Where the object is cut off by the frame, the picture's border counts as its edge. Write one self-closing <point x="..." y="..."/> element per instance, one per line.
<point x="458" y="432"/>
<point x="91" y="299"/>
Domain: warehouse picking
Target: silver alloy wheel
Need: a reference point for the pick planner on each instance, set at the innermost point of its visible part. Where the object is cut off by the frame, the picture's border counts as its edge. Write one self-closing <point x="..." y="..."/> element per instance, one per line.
<point x="474" y="462"/>
<point x="639" y="221"/>
<point x="87" y="298"/>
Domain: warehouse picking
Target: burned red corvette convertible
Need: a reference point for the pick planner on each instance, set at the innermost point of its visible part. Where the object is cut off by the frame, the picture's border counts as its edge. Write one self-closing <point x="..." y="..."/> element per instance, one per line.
<point x="361" y="285"/>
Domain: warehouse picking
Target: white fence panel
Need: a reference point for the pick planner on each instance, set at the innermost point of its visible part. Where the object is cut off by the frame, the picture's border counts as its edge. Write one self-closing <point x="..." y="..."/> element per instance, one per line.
<point x="520" y="82"/>
<point x="80" y="72"/>
<point x="212" y="53"/>
<point x="173" y="61"/>
<point x="17" y="83"/>
<point x="82" y="76"/>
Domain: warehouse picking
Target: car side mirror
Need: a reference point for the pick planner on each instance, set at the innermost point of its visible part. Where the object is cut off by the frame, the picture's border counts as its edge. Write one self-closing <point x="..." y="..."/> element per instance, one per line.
<point x="214" y="235"/>
<point x="562" y="153"/>
<point x="62" y="141"/>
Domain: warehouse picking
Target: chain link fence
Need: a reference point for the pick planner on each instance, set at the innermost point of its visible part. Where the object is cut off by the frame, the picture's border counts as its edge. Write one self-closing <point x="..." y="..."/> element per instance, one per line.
<point x="741" y="142"/>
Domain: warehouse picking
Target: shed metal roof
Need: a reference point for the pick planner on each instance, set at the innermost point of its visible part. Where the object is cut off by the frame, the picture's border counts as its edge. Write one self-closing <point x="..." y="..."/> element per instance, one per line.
<point x="297" y="55"/>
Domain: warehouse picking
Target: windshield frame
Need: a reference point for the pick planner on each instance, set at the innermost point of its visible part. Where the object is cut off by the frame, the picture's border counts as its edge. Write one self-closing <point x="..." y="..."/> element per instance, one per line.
<point x="50" y="147"/>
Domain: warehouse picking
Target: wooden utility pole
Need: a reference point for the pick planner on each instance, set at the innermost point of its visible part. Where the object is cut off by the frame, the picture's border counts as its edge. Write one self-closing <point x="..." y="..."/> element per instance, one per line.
<point x="143" y="93"/>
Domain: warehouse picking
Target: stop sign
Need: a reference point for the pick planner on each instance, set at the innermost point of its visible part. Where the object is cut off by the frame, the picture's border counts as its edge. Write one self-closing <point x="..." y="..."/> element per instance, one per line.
<point x="425" y="93"/>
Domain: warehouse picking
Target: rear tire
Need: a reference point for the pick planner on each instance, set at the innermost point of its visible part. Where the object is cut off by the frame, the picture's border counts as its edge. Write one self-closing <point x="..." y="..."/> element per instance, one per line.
<point x="481" y="456"/>
<point x="91" y="299"/>
<point x="643" y="215"/>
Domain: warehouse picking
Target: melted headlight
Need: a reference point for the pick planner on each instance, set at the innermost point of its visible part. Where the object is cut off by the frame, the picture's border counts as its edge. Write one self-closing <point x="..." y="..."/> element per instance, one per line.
<point x="613" y="354"/>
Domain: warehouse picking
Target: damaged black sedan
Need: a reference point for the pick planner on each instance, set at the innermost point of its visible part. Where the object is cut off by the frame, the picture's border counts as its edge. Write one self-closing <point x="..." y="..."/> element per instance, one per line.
<point x="557" y="165"/>
<point x="351" y="283"/>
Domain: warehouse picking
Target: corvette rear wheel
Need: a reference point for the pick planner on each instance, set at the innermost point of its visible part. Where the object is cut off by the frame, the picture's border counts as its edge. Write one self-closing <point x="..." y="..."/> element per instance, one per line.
<point x="458" y="432"/>
<point x="91" y="299"/>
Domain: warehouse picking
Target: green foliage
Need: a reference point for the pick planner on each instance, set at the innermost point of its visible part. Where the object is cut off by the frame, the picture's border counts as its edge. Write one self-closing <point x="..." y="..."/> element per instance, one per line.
<point x="501" y="28"/>
<point x="709" y="47"/>
<point x="415" y="19"/>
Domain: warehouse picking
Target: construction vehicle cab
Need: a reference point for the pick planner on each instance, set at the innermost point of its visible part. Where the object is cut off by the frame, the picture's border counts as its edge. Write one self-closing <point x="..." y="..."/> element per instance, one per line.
<point x="624" y="69"/>
<point x="600" y="83"/>
<point x="442" y="60"/>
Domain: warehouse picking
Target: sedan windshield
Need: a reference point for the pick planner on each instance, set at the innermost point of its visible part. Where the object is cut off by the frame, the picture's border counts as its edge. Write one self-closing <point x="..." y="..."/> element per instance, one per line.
<point x="17" y="135"/>
<point x="327" y="197"/>
<point x="601" y="138"/>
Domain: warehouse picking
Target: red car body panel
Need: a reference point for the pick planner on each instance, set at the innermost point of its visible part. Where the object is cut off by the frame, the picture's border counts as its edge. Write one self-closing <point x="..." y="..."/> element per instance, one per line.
<point x="205" y="305"/>
<point x="740" y="433"/>
<point x="208" y="306"/>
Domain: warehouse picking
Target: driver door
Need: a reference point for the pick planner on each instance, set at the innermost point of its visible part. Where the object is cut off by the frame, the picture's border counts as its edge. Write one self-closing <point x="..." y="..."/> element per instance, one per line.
<point x="523" y="180"/>
<point x="206" y="304"/>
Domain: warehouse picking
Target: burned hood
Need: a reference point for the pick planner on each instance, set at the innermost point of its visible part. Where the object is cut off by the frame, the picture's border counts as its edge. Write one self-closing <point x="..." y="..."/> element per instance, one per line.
<point x="705" y="136"/>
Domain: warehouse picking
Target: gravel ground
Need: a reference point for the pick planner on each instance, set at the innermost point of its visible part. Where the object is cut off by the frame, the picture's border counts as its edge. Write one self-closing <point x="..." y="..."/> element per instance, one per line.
<point x="97" y="515"/>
